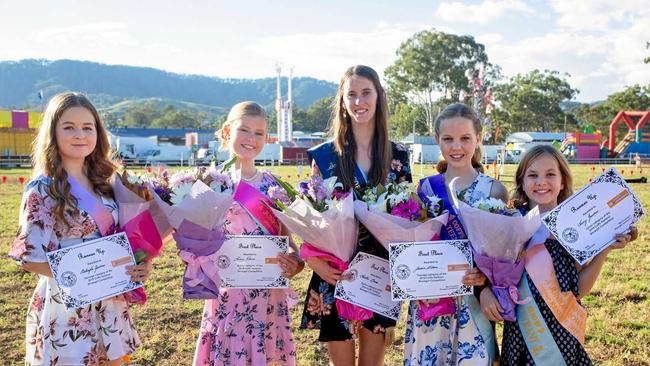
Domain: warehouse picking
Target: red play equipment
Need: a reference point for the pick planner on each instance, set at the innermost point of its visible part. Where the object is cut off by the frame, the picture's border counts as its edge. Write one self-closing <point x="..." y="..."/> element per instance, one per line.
<point x="636" y="141"/>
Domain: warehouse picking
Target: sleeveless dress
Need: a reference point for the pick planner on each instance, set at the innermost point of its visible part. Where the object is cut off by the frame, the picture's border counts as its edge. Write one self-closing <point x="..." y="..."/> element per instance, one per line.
<point x="320" y="308"/>
<point x="515" y="351"/>
<point x="429" y="343"/>
<point x="247" y="326"/>
<point x="98" y="332"/>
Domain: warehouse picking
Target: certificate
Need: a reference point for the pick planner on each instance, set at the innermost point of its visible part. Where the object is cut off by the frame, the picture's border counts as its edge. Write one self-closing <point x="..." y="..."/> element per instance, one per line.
<point x="586" y="222"/>
<point x="251" y="261"/>
<point x="93" y="270"/>
<point x="369" y="286"/>
<point x="430" y="269"/>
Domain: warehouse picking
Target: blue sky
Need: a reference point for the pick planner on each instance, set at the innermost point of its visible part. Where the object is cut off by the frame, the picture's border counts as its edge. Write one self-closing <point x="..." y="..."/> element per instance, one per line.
<point x="601" y="43"/>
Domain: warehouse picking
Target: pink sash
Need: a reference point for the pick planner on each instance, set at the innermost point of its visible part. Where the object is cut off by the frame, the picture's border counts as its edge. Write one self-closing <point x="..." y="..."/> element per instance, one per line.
<point x="258" y="207"/>
<point x="564" y="305"/>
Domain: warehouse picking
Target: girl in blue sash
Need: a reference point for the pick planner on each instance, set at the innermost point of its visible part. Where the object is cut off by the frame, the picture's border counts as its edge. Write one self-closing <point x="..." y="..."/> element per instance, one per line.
<point x="543" y="179"/>
<point x="360" y="155"/>
<point x="249" y="326"/>
<point x="68" y="201"/>
<point x="465" y="337"/>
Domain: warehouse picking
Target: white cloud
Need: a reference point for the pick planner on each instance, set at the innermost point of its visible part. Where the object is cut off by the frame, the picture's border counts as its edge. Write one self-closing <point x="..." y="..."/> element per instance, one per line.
<point x="95" y="34"/>
<point x="327" y="55"/>
<point x="482" y="13"/>
<point x="598" y="15"/>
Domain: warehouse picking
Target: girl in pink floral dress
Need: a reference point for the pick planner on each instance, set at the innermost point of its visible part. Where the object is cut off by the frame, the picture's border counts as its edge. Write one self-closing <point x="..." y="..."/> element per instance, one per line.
<point x="248" y="326"/>
<point x="69" y="201"/>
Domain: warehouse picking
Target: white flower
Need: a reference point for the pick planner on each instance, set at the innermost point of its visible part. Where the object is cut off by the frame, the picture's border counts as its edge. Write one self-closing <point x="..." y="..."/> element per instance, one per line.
<point x="179" y="193"/>
<point x="133" y="178"/>
<point x="380" y="204"/>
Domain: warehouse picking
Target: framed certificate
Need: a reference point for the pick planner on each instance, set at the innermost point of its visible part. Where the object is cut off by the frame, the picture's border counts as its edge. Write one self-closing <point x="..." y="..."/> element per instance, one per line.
<point x="251" y="261"/>
<point x="429" y="270"/>
<point x="586" y="222"/>
<point x="93" y="270"/>
<point x="369" y="286"/>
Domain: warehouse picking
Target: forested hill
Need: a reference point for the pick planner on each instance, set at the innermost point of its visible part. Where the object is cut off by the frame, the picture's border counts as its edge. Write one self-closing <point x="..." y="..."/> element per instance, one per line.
<point x="20" y="82"/>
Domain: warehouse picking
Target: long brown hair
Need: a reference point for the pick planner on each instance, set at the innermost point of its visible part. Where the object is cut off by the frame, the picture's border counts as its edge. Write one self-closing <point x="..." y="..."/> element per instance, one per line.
<point x="519" y="196"/>
<point x="46" y="160"/>
<point x="341" y="130"/>
<point x="461" y="110"/>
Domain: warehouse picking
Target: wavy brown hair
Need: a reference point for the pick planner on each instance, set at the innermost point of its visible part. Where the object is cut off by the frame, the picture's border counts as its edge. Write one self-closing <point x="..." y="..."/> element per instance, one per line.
<point x="461" y="110"/>
<point x="519" y="197"/>
<point x="46" y="160"/>
<point x="341" y="130"/>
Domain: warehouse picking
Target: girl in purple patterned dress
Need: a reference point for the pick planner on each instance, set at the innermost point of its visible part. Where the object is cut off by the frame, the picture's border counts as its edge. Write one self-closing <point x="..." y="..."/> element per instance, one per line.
<point x="248" y="326"/>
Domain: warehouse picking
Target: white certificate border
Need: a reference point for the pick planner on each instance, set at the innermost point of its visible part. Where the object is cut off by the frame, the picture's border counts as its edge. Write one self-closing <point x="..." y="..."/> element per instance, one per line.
<point x="281" y="282"/>
<point x="397" y="248"/>
<point x="550" y="220"/>
<point x="54" y="259"/>
<point x="340" y="293"/>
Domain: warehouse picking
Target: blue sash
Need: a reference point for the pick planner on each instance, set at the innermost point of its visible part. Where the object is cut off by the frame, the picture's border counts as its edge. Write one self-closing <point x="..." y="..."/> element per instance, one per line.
<point x="454" y="230"/>
<point x="538" y="337"/>
<point x="326" y="159"/>
<point x="435" y="185"/>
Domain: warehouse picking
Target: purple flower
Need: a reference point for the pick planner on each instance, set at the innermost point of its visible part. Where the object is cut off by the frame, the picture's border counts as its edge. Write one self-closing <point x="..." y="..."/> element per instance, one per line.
<point x="339" y="194"/>
<point x="303" y="187"/>
<point x="276" y="192"/>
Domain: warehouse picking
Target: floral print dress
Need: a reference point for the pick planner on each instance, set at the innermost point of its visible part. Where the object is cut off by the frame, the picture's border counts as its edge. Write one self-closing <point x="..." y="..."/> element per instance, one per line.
<point x="320" y="309"/>
<point x="429" y="342"/>
<point x="98" y="332"/>
<point x="247" y="326"/>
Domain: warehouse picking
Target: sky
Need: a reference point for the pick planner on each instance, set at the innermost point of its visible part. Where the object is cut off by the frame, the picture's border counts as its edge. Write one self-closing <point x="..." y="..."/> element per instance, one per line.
<point x="601" y="44"/>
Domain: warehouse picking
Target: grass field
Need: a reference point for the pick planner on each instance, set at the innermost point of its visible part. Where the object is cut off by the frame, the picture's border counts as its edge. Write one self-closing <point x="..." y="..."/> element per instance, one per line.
<point x="618" y="329"/>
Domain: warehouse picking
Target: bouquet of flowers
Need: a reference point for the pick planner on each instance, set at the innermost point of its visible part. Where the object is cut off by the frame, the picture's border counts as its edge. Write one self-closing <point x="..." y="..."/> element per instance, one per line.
<point x="394" y="213"/>
<point x="195" y="203"/>
<point x="322" y="214"/>
<point x="141" y="219"/>
<point x="498" y="234"/>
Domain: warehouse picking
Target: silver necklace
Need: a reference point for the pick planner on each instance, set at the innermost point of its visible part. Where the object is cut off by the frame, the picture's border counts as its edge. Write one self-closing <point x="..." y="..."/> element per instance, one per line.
<point x="252" y="178"/>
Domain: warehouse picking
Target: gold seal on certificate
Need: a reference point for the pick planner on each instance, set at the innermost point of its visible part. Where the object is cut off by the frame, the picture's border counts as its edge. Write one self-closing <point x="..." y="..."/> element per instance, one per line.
<point x="369" y="286"/>
<point x="587" y="222"/>
<point x="251" y="261"/>
<point x="94" y="270"/>
<point x="429" y="270"/>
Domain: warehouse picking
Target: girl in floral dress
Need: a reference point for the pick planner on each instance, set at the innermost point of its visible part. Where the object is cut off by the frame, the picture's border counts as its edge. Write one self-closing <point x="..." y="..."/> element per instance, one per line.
<point x="249" y="326"/>
<point x="431" y="342"/>
<point x="360" y="155"/>
<point x="69" y="201"/>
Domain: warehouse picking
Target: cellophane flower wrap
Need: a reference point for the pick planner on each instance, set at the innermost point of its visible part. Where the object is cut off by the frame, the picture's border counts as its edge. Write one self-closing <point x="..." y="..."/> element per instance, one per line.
<point x="498" y="234"/>
<point x="395" y="213"/>
<point x="322" y="214"/>
<point x="141" y="219"/>
<point x="195" y="203"/>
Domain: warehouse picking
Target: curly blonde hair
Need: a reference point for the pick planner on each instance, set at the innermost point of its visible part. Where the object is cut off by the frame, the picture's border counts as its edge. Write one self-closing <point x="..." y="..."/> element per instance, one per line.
<point x="46" y="160"/>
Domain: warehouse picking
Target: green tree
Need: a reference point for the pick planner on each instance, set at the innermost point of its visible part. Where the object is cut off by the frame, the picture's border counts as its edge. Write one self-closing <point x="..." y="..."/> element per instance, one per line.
<point x="532" y="101"/>
<point x="432" y="65"/>
<point x="403" y="118"/>
<point x="319" y="114"/>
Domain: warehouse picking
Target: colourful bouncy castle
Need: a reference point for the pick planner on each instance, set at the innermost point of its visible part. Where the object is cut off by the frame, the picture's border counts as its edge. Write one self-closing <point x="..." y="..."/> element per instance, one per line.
<point x="637" y="139"/>
<point x="583" y="147"/>
<point x="17" y="132"/>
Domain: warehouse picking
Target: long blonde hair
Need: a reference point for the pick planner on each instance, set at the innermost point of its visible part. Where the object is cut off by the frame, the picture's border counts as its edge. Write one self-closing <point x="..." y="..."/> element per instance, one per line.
<point x="519" y="196"/>
<point x="460" y="110"/>
<point x="237" y="112"/>
<point x="46" y="160"/>
<point x="341" y="131"/>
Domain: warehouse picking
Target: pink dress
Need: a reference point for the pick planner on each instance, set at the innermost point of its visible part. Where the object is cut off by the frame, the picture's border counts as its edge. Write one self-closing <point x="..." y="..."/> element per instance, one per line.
<point x="249" y="326"/>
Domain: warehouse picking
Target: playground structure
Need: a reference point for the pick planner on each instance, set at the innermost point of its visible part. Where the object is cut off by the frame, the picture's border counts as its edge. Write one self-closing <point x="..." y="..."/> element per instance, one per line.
<point x="17" y="131"/>
<point x="584" y="147"/>
<point x="636" y="141"/>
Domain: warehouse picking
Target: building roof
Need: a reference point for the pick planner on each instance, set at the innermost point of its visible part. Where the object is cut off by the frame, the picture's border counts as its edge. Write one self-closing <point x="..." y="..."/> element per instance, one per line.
<point x="419" y="139"/>
<point x="535" y="136"/>
<point x="160" y="132"/>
